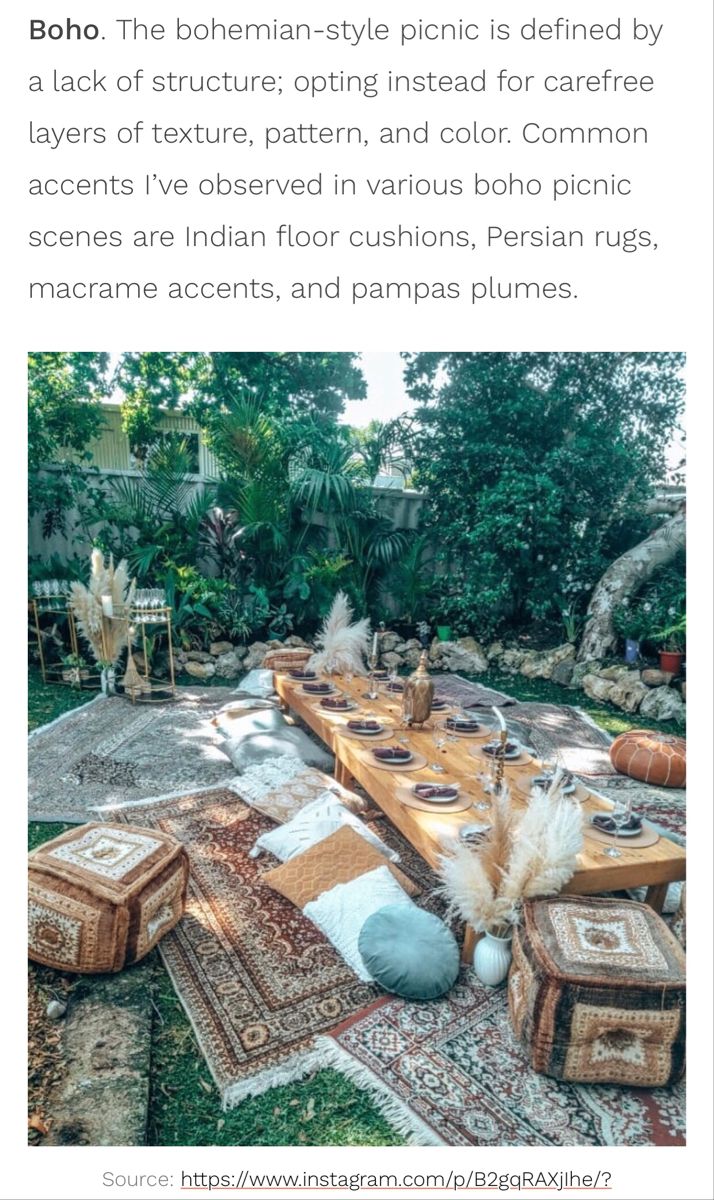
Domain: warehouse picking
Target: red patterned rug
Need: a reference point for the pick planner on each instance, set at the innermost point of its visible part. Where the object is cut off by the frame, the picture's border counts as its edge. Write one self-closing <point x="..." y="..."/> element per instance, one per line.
<point x="257" y="979"/>
<point x="451" y="1073"/>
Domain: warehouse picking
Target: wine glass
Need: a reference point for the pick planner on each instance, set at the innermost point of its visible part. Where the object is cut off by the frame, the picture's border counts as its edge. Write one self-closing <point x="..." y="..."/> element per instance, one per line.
<point x="620" y="816"/>
<point x="439" y="739"/>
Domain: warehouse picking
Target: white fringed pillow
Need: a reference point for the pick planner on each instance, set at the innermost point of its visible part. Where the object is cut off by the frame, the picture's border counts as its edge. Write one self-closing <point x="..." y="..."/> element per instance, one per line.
<point x="341" y="912"/>
<point x="311" y="825"/>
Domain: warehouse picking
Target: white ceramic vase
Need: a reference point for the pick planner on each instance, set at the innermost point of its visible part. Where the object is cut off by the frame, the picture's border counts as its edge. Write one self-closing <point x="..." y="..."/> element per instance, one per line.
<point x="108" y="681"/>
<point x="492" y="958"/>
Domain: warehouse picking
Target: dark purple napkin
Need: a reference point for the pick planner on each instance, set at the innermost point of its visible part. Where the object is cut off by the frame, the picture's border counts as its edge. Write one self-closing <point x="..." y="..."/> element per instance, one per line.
<point x="318" y="689"/>
<point x="605" y="823"/>
<point x="428" y="791"/>
<point x="303" y="675"/>
<point x="494" y="748"/>
<point x="392" y="754"/>
<point x="335" y="702"/>
<point x="395" y="687"/>
<point x="438" y="703"/>
<point x="462" y="725"/>
<point x="365" y="726"/>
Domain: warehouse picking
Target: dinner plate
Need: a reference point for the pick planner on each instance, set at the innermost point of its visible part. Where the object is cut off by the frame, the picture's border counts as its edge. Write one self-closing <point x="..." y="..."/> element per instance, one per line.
<point x="394" y="762"/>
<point x="623" y="833"/>
<point x="366" y="733"/>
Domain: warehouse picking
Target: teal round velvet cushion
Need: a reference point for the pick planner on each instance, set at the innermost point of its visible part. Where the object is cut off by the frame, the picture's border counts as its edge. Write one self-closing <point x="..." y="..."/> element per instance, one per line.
<point x="409" y="952"/>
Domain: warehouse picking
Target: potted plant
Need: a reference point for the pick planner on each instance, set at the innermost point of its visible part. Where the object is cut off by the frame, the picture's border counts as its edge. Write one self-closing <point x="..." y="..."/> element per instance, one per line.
<point x="280" y="623"/>
<point x="630" y="621"/>
<point x="673" y="640"/>
<point x="524" y="853"/>
<point x="76" y="669"/>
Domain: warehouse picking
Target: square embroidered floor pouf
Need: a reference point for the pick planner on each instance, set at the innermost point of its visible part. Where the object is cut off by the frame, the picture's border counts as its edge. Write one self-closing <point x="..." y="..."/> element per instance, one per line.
<point x="597" y="992"/>
<point x="101" y="896"/>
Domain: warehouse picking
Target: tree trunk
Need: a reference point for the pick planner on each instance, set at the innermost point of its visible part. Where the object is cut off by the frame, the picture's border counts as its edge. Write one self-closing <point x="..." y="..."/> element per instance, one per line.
<point x="622" y="579"/>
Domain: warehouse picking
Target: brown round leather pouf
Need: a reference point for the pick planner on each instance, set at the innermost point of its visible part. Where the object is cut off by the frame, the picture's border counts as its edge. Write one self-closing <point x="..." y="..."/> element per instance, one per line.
<point x="658" y="758"/>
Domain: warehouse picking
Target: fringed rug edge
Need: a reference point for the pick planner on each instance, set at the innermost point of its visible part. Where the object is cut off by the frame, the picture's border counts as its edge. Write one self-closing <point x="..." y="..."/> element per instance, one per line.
<point x="402" y="1118"/>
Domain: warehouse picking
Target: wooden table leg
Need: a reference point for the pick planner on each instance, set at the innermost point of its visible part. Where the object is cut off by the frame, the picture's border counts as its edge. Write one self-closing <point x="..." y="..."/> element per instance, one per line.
<point x="342" y="775"/>
<point x="656" y="895"/>
<point x="469" y="944"/>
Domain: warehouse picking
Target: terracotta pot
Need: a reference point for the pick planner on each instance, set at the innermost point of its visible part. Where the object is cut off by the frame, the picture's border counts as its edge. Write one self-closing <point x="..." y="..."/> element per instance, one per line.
<point x="669" y="661"/>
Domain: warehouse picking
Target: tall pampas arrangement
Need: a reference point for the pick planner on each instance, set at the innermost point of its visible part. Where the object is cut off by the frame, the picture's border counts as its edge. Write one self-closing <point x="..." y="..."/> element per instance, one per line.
<point x="106" y="638"/>
<point x="343" y="645"/>
<point x="524" y="854"/>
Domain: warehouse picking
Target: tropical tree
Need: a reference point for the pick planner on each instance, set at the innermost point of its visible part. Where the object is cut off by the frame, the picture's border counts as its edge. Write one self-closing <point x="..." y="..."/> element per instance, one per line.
<point x="294" y="385"/>
<point x="64" y="415"/>
<point x="538" y="466"/>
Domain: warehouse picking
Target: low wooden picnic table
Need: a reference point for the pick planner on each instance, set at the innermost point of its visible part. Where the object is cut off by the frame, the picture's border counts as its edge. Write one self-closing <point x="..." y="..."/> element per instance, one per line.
<point x="654" y="867"/>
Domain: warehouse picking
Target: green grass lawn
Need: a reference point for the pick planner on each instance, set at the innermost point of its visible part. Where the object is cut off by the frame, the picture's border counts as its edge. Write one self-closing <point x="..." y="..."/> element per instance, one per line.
<point x="324" y="1110"/>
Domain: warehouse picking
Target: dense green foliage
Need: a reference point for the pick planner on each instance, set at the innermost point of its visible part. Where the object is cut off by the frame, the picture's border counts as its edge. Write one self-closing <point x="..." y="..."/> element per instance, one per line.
<point x="536" y="466"/>
<point x="63" y="415"/>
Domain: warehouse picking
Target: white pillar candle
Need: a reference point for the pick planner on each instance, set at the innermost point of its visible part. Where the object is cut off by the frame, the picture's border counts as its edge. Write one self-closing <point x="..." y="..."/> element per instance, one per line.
<point x="375" y="645"/>
<point x="107" y="606"/>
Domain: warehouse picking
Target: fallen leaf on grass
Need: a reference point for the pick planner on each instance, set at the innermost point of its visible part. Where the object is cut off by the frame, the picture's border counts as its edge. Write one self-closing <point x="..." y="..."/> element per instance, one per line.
<point x="35" y="1122"/>
<point x="206" y="1086"/>
<point x="220" y="1124"/>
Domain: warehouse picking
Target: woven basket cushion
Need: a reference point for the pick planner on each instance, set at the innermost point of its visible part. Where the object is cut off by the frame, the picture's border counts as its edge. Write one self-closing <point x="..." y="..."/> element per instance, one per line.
<point x="290" y="659"/>
<point x="656" y="758"/>
<point x="613" y="979"/>
<point x="336" y="859"/>
<point x="103" y="895"/>
<point x="341" y="912"/>
<point x="312" y="824"/>
<point x="409" y="952"/>
<point x="281" y="787"/>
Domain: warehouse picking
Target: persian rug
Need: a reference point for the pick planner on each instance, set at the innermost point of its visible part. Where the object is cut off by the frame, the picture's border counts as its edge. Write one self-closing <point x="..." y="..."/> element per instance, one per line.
<point x="110" y="751"/>
<point x="259" y="982"/>
<point x="468" y="694"/>
<point x="452" y="1073"/>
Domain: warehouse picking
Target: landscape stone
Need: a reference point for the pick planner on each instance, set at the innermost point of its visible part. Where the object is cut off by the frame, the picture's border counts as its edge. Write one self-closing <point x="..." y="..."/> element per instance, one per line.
<point x="465" y="656"/>
<point x="511" y="659"/>
<point x="294" y="640"/>
<point x="625" y="691"/>
<point x="562" y="673"/>
<point x="392" y="659"/>
<point x="256" y="653"/>
<point x="389" y="641"/>
<point x="653" y="677"/>
<point x="539" y="664"/>
<point x="201" y="670"/>
<point x="580" y="670"/>
<point x="628" y="692"/>
<point x="412" y="657"/>
<point x="199" y="656"/>
<point x="230" y="665"/>
<point x="218" y="648"/>
<point x="663" y="704"/>
<point x="494" y="651"/>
